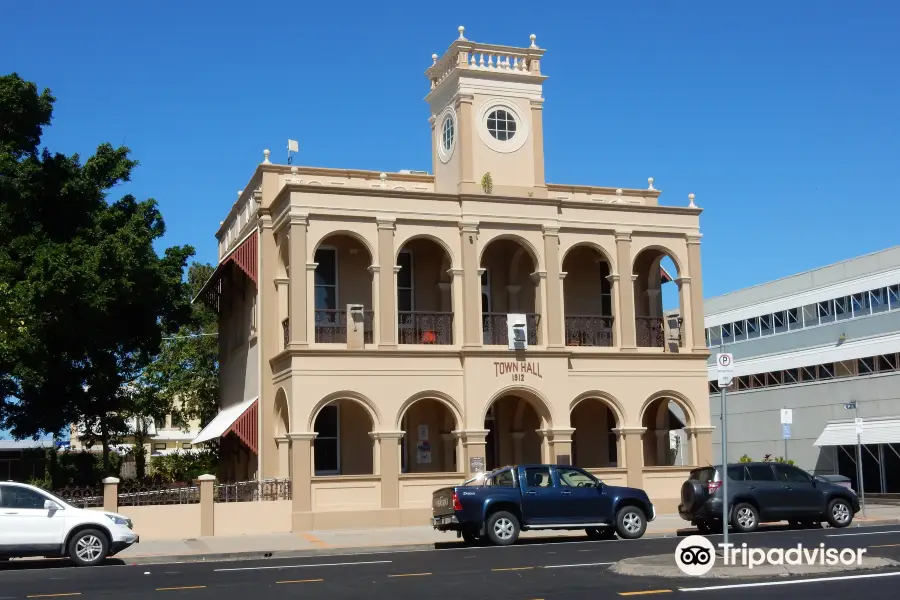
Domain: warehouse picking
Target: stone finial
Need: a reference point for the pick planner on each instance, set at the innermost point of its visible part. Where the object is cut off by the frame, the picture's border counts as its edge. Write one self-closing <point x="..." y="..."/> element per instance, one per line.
<point x="240" y="192"/>
<point x="294" y="170"/>
<point x="383" y="178"/>
<point x="619" y="192"/>
<point x="532" y="37"/>
<point x="691" y="198"/>
<point x="650" y="182"/>
<point x="461" y="30"/>
<point x="266" y="154"/>
<point x="434" y="58"/>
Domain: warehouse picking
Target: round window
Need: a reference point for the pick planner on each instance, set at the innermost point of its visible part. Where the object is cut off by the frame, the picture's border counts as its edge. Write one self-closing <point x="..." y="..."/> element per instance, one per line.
<point x="501" y="125"/>
<point x="447" y="134"/>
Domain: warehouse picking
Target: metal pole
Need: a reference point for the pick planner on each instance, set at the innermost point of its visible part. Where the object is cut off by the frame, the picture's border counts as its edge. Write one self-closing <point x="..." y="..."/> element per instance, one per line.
<point x="724" y="473"/>
<point x="862" y="491"/>
<point x="785" y="443"/>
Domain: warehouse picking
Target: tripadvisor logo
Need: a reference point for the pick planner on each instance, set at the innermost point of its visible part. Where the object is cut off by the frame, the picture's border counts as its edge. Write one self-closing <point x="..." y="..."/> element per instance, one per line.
<point x="695" y="555"/>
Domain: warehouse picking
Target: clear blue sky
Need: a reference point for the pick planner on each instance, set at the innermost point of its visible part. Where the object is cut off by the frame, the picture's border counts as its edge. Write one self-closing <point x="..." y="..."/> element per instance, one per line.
<point x="781" y="117"/>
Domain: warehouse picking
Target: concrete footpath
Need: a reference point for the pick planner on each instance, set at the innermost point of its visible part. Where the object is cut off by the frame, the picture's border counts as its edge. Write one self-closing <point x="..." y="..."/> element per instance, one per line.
<point x="355" y="541"/>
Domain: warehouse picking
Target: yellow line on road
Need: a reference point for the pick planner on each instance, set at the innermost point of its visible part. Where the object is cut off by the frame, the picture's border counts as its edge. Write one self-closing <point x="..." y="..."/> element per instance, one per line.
<point x="410" y="575"/>
<point x="514" y="569"/>
<point x="54" y="595"/>
<point x="314" y="540"/>
<point x="187" y="587"/>
<point x="644" y="592"/>
<point x="301" y="581"/>
<point x="885" y="546"/>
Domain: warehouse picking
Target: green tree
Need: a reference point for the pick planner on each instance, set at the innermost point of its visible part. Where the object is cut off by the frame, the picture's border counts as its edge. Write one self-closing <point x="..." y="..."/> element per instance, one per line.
<point x="82" y="273"/>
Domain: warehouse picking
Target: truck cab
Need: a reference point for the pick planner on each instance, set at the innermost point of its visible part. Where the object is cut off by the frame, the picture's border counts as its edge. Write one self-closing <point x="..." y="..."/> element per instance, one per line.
<point x="506" y="501"/>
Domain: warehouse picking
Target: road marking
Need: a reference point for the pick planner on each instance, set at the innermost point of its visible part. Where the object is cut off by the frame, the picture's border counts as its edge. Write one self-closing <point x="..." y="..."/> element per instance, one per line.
<point x="885" y="546"/>
<point x="410" y="575"/>
<point x="301" y="581"/>
<point x="54" y="595"/>
<point x="514" y="569"/>
<point x="340" y="564"/>
<point x="600" y="564"/>
<point x="186" y="587"/>
<point x="790" y="582"/>
<point x="314" y="540"/>
<point x="864" y="533"/>
<point x="644" y="592"/>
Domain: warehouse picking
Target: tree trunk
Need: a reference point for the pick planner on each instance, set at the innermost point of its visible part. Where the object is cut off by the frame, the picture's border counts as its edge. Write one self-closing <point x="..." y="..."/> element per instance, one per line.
<point x="104" y="437"/>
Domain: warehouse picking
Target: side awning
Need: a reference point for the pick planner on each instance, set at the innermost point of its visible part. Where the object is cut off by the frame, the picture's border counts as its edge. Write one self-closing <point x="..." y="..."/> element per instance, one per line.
<point x="239" y="419"/>
<point x="875" y="431"/>
<point x="244" y="255"/>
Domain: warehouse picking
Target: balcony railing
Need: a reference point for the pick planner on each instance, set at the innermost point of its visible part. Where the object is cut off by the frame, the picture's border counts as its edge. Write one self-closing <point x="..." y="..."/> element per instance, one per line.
<point x="493" y="325"/>
<point x="589" y="330"/>
<point x="286" y="331"/>
<point x="425" y="328"/>
<point x="650" y="332"/>
<point x="331" y="326"/>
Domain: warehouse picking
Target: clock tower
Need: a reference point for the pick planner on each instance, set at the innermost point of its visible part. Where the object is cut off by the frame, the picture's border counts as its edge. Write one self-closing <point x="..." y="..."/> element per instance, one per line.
<point x="487" y="127"/>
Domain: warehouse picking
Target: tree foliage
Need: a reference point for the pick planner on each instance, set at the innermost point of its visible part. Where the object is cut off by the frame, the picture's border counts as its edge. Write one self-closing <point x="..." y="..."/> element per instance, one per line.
<point x="92" y="296"/>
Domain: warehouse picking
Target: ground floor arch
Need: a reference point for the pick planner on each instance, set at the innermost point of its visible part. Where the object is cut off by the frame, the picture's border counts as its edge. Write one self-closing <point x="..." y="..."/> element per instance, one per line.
<point x="515" y="425"/>
<point x="595" y="441"/>
<point x="666" y="420"/>
<point x="343" y="444"/>
<point x="428" y="444"/>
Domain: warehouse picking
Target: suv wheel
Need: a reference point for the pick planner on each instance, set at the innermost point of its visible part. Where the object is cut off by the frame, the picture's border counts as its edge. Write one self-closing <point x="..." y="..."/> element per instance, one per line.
<point x="745" y="518"/>
<point x="631" y="523"/>
<point x="503" y="528"/>
<point x="839" y="513"/>
<point x="88" y="548"/>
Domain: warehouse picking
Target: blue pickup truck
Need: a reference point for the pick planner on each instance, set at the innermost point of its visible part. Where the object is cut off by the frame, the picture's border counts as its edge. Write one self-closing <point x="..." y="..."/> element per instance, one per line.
<point x="498" y="506"/>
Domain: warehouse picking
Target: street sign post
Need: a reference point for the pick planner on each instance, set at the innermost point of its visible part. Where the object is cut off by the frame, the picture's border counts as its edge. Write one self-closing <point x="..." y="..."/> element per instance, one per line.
<point x="787" y="419"/>
<point x="858" y="424"/>
<point x="725" y="371"/>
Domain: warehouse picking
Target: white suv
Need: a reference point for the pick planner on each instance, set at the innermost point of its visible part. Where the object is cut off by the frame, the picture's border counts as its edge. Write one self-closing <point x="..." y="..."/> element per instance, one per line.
<point x="34" y="522"/>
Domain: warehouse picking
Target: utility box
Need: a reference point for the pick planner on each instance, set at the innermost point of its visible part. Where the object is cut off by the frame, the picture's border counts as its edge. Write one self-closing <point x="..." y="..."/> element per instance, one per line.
<point x="517" y="331"/>
<point x="356" y="327"/>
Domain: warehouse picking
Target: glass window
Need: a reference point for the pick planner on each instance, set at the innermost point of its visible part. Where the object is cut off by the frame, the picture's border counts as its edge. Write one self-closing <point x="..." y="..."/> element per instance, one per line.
<point x="501" y="124"/>
<point x="765" y="325"/>
<point x="878" y="299"/>
<point x="327" y="442"/>
<point x="789" y="474"/>
<point x="159" y="447"/>
<point x="447" y="134"/>
<point x="715" y="336"/>
<point x="326" y="279"/>
<point x="842" y="308"/>
<point x="538" y="477"/>
<point x="894" y="296"/>
<point x="736" y="472"/>
<point x="405" y="299"/>
<point x="740" y="333"/>
<point x="12" y="496"/>
<point x="860" y="304"/>
<point x="793" y="319"/>
<point x="826" y="311"/>
<point x="575" y="478"/>
<point x="759" y="473"/>
<point x="752" y="328"/>
<point x="810" y="315"/>
<point x="726" y="332"/>
<point x="505" y="479"/>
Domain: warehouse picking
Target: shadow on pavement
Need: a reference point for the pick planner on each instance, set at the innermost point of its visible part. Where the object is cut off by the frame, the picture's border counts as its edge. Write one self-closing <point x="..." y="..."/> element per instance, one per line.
<point x="51" y="563"/>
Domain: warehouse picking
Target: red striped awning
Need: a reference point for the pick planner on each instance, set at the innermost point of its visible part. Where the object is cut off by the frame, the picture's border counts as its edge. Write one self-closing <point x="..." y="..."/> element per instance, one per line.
<point x="246" y="427"/>
<point x="244" y="257"/>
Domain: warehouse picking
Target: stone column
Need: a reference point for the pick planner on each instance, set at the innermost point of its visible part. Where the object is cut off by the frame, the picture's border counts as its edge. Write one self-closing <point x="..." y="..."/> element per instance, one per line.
<point x="449" y="452"/>
<point x="111" y="494"/>
<point x="457" y="302"/>
<point x="512" y="297"/>
<point x="685" y="295"/>
<point x="537" y="132"/>
<point x="561" y="446"/>
<point x="473" y="442"/>
<point x="540" y="306"/>
<point x="614" y="282"/>
<point x="633" y="454"/>
<point x="465" y="124"/>
<point x="553" y="310"/>
<point x="310" y="315"/>
<point x="387" y="287"/>
<point x="270" y="343"/>
<point x="207" y="485"/>
<point x="471" y="285"/>
<point x="625" y="292"/>
<point x="283" y="286"/>
<point x="301" y="477"/>
<point x="284" y="457"/>
<point x="701" y="445"/>
<point x="545" y="445"/>
<point x="696" y="307"/>
<point x="297" y="296"/>
<point x="662" y="447"/>
<point x="388" y="453"/>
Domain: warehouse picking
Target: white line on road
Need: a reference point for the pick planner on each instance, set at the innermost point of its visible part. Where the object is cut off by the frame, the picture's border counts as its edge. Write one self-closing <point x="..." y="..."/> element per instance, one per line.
<point x="341" y="564"/>
<point x="578" y="565"/>
<point x="790" y="582"/>
<point x="864" y="533"/>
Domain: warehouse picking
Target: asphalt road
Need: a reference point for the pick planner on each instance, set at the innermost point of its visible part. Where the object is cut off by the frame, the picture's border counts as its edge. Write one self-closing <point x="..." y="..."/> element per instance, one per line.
<point x="563" y="570"/>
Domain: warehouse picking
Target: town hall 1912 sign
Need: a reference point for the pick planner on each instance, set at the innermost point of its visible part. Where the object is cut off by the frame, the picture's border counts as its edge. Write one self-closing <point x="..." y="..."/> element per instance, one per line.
<point x="518" y="370"/>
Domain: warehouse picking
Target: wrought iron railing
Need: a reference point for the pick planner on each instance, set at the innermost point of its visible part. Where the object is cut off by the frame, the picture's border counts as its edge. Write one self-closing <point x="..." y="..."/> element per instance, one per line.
<point x="286" y="331"/>
<point x="267" y="490"/>
<point x="650" y="332"/>
<point x="493" y="326"/>
<point x="81" y="497"/>
<point x="138" y="494"/>
<point x="331" y="326"/>
<point x="589" y="330"/>
<point x="425" y="328"/>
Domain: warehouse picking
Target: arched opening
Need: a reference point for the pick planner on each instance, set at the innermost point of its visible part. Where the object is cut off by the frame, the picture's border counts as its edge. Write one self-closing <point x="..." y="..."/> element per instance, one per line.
<point x="282" y="427"/>
<point x="343" y="445"/>
<point x="342" y="278"/>
<point x="594" y="443"/>
<point x="509" y="284"/>
<point x="424" y="294"/>
<point x="428" y="445"/>
<point x="283" y="241"/>
<point x="665" y="440"/>
<point x="657" y="324"/>
<point x="587" y="298"/>
<point x="513" y="423"/>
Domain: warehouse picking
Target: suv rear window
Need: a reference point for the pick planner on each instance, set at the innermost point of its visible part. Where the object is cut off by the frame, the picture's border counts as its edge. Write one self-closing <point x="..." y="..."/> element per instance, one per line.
<point x="704" y="475"/>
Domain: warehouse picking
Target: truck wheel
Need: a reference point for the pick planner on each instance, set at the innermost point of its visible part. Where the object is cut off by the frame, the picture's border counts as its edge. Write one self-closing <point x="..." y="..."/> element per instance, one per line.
<point x="839" y="513"/>
<point x="745" y="518"/>
<point x="88" y="548"/>
<point x="503" y="528"/>
<point x="631" y="523"/>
